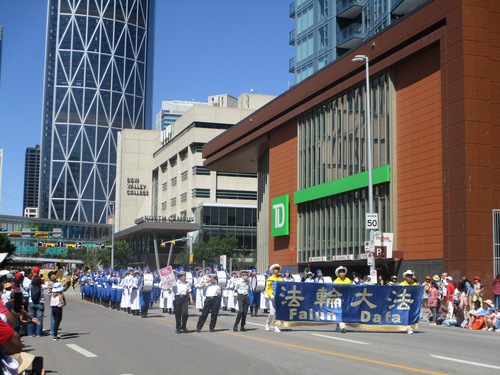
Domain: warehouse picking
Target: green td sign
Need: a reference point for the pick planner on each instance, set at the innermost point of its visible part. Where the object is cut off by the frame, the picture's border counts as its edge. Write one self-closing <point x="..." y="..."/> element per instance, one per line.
<point x="280" y="216"/>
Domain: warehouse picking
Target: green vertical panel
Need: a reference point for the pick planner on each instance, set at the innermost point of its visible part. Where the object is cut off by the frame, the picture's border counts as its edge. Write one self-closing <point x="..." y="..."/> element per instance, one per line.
<point x="280" y="214"/>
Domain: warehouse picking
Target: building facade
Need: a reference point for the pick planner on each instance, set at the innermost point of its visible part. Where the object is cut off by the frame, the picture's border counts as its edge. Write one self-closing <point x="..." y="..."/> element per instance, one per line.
<point x="98" y="81"/>
<point x="171" y="110"/>
<point x="327" y="29"/>
<point x="46" y="242"/>
<point x="435" y="152"/>
<point x="165" y="192"/>
<point x="31" y="181"/>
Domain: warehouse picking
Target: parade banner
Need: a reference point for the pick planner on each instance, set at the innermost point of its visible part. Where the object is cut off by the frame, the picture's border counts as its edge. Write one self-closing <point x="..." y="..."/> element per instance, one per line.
<point x="167" y="276"/>
<point x="368" y="306"/>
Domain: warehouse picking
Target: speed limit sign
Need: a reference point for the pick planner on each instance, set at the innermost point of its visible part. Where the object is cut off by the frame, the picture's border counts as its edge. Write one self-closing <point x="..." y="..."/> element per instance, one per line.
<point x="371" y="221"/>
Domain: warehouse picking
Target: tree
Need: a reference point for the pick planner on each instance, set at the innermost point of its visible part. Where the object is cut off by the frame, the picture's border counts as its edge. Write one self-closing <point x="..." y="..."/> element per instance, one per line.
<point x="211" y="251"/>
<point x="122" y="255"/>
<point x="6" y="246"/>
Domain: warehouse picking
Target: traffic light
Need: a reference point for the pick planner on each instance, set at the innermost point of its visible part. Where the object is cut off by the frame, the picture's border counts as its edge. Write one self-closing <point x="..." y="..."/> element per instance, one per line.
<point x="60" y="244"/>
<point x="50" y="244"/>
<point x="15" y="234"/>
<point x="102" y="246"/>
<point x="41" y="243"/>
<point x="172" y="242"/>
<point x="70" y="246"/>
<point x="163" y="244"/>
<point x="79" y="245"/>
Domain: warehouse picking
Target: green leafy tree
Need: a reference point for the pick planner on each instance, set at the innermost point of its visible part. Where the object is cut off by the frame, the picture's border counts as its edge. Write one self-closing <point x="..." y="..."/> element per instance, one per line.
<point x="211" y="251"/>
<point x="122" y="255"/>
<point x="6" y="246"/>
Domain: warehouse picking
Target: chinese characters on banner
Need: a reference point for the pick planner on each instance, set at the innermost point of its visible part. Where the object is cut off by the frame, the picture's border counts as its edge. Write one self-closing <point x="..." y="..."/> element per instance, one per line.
<point x="384" y="305"/>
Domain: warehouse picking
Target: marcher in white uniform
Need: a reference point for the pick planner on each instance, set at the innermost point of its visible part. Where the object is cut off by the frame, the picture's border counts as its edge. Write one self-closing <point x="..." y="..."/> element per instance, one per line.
<point x="133" y="286"/>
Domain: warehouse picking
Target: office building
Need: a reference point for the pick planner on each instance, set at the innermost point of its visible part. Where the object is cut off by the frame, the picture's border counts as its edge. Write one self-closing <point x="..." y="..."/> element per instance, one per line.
<point x="164" y="192"/>
<point x="435" y="136"/>
<point x="327" y="29"/>
<point x="31" y="181"/>
<point x="98" y="81"/>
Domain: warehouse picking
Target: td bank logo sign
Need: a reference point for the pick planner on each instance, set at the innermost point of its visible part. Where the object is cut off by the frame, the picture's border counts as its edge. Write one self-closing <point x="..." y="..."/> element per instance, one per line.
<point x="280" y="215"/>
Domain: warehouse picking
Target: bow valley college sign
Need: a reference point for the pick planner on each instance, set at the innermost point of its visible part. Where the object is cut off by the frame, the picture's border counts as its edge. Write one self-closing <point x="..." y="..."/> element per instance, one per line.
<point x="164" y="219"/>
<point x="279" y="216"/>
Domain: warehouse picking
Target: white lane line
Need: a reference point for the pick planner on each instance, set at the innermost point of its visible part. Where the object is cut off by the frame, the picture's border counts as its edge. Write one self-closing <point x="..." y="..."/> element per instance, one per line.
<point x="338" y="338"/>
<point x="80" y="350"/>
<point x="464" y="361"/>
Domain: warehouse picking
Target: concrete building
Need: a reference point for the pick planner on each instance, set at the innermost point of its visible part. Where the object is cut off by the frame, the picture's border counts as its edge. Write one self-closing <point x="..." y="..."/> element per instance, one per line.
<point x="98" y="81"/>
<point x="31" y="181"/>
<point x="327" y="29"/>
<point x="164" y="191"/>
<point x="434" y="84"/>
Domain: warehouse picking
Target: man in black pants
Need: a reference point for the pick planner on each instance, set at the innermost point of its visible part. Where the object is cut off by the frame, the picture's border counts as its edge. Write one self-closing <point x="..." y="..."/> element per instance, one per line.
<point x="183" y="297"/>
<point x="211" y="305"/>
<point x="242" y="288"/>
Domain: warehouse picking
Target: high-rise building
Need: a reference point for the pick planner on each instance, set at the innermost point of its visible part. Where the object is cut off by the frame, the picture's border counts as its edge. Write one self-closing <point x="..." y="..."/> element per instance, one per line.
<point x="327" y="29"/>
<point x="31" y="181"/>
<point x="98" y="81"/>
<point x="171" y="110"/>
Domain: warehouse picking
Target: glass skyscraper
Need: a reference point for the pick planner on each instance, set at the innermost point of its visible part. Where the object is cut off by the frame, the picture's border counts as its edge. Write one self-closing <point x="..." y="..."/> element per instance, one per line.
<point x="327" y="29"/>
<point x="98" y="81"/>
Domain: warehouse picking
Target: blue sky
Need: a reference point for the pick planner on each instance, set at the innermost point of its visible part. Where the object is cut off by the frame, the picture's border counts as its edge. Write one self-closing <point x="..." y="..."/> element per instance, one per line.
<point x="202" y="48"/>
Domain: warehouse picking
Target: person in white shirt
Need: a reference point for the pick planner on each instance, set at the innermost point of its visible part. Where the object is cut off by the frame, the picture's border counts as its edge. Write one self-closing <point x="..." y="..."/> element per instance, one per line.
<point x="242" y="290"/>
<point x="212" y="296"/>
<point x="183" y="297"/>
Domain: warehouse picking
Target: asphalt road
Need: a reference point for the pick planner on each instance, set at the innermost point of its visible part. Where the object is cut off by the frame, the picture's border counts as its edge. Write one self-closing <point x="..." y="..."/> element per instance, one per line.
<point x="99" y="340"/>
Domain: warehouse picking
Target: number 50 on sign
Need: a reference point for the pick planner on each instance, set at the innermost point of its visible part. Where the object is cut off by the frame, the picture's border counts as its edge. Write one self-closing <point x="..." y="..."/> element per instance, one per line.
<point x="371" y="221"/>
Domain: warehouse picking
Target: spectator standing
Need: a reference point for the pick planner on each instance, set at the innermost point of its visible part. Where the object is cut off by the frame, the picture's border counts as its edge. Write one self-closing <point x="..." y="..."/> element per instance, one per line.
<point x="478" y="290"/>
<point x="57" y="302"/>
<point x="448" y="299"/>
<point x="433" y="302"/>
<point x="496" y="291"/>
<point x="36" y="305"/>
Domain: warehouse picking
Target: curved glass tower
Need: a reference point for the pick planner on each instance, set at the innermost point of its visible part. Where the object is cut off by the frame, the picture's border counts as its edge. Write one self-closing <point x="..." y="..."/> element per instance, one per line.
<point x="98" y="80"/>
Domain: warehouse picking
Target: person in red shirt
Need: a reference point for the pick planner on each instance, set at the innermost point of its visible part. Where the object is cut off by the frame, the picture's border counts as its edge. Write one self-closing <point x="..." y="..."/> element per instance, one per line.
<point x="448" y="299"/>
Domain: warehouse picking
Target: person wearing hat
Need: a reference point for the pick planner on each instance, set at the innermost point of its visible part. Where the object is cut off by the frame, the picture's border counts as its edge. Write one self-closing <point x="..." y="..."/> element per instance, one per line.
<point x="134" y="287"/>
<point x="309" y="277"/>
<point x="274" y="270"/>
<point x="242" y="290"/>
<point x="212" y="293"/>
<point x="57" y="302"/>
<point x="319" y="276"/>
<point x="393" y="280"/>
<point x="341" y="273"/>
<point x="448" y="298"/>
<point x="287" y="275"/>
<point x="255" y="296"/>
<point x="478" y="290"/>
<point x="183" y="297"/>
<point x="408" y="281"/>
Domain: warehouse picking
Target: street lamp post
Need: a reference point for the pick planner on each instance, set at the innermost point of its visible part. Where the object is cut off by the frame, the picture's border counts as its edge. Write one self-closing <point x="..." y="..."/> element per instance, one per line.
<point x="368" y="119"/>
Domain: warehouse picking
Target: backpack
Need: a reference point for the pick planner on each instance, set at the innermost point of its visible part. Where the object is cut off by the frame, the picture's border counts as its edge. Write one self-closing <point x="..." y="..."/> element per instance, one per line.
<point x="35" y="293"/>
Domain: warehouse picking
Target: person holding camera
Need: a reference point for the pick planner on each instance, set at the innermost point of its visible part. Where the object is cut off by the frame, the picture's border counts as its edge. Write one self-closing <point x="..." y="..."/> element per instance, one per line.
<point x="211" y="305"/>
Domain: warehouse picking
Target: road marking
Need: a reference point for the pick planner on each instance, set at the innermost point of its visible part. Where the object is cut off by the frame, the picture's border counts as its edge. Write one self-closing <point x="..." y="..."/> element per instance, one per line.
<point x="340" y="355"/>
<point x="338" y="338"/>
<point x="464" y="361"/>
<point x="80" y="350"/>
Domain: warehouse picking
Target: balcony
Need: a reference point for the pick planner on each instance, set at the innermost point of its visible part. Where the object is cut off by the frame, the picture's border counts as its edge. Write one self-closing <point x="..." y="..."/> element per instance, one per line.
<point x="291" y="65"/>
<point x="292" y="10"/>
<point x="350" y="8"/>
<point x="291" y="37"/>
<point x="351" y="36"/>
<point x="402" y="7"/>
